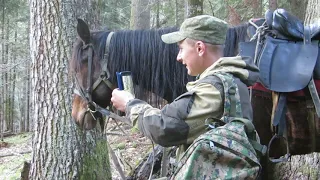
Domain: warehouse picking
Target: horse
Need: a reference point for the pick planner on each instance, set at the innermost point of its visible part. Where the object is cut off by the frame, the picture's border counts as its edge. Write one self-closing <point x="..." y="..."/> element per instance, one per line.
<point x="98" y="55"/>
<point x="302" y="130"/>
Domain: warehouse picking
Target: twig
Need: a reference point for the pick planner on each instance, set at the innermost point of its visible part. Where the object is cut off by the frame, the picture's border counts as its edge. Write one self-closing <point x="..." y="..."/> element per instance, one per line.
<point x="15" y="154"/>
<point x="123" y="160"/>
<point x="116" y="162"/>
<point x="114" y="133"/>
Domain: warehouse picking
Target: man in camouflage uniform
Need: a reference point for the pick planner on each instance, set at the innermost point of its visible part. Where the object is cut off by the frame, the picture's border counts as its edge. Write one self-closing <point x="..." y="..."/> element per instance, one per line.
<point x="200" y="40"/>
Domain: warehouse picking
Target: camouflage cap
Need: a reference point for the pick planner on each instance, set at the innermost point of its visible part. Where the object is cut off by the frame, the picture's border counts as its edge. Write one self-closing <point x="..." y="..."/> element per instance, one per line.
<point x="203" y="27"/>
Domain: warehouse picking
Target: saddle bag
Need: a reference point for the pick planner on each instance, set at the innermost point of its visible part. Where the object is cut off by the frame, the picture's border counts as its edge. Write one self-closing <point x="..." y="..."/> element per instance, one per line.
<point x="285" y="66"/>
<point x="224" y="152"/>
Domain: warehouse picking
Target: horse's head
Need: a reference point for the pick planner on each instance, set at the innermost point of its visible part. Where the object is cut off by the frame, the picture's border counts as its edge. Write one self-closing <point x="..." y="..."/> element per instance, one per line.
<point x="92" y="87"/>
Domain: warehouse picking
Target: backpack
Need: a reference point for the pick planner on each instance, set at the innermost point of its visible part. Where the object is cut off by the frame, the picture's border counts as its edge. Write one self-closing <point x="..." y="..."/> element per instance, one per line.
<point x="228" y="151"/>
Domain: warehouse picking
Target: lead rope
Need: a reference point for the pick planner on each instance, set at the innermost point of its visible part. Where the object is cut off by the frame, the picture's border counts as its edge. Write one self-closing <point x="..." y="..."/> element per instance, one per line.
<point x="257" y="35"/>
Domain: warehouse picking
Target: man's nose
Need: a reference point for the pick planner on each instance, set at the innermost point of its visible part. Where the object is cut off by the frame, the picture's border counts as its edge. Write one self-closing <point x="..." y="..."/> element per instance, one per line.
<point x="179" y="59"/>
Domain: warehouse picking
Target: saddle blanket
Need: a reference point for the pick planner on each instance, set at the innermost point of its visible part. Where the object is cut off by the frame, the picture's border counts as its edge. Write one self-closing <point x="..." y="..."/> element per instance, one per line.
<point x="291" y="95"/>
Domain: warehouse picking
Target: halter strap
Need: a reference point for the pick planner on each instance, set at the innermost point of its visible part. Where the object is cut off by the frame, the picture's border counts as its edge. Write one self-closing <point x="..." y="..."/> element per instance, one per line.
<point x="89" y="78"/>
<point x="106" y="54"/>
<point x="105" y="74"/>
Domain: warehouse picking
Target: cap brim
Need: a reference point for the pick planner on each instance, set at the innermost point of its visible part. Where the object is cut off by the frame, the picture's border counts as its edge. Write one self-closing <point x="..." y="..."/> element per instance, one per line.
<point x="173" y="37"/>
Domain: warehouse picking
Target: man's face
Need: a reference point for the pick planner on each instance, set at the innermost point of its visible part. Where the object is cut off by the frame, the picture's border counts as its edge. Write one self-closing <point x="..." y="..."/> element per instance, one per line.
<point x="188" y="56"/>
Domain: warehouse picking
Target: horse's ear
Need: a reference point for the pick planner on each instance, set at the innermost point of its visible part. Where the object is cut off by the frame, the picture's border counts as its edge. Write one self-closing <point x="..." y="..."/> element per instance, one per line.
<point x="83" y="31"/>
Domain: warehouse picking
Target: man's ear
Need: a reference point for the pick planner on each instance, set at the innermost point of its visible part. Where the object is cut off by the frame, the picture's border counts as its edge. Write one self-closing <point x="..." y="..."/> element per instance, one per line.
<point x="200" y="47"/>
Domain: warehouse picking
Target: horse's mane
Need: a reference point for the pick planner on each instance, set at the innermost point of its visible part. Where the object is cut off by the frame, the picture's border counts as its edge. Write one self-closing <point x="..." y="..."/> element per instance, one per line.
<point x="235" y="35"/>
<point x="152" y="63"/>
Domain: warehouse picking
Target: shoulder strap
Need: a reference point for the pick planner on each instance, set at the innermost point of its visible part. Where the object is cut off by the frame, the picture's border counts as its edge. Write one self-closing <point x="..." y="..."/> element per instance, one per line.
<point x="251" y="133"/>
<point x="232" y="105"/>
<point x="233" y="113"/>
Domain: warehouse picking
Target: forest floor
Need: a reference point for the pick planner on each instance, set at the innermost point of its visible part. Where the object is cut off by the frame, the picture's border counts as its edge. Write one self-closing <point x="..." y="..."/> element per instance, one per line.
<point x="14" y="151"/>
<point x="128" y="144"/>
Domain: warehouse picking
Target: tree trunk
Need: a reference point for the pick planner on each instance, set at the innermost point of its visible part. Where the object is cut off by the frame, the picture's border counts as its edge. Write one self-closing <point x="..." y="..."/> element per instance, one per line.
<point x="28" y="119"/>
<point x="7" y="82"/>
<point x="298" y="8"/>
<point x="233" y="17"/>
<point x="273" y="4"/>
<point x="312" y="12"/>
<point x="13" y="80"/>
<point x="158" y="14"/>
<point x="2" y="77"/>
<point x="60" y="150"/>
<point x="27" y="95"/>
<point x="176" y="17"/>
<point x="194" y="8"/>
<point x="140" y="14"/>
<point x="302" y="166"/>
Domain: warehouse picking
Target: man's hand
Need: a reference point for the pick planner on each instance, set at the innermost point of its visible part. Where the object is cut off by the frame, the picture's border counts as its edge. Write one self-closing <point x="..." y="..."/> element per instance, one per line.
<point x="120" y="99"/>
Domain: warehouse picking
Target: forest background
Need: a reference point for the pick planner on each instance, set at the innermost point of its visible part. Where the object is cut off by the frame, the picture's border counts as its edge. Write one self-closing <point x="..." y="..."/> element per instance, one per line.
<point x="25" y="24"/>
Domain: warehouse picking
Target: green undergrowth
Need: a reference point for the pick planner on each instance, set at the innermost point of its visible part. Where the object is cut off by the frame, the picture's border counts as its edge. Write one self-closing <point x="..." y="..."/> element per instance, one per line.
<point x="18" y="139"/>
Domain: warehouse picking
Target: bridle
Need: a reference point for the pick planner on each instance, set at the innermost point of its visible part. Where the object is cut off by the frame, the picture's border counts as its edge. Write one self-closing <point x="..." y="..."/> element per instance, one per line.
<point x="104" y="77"/>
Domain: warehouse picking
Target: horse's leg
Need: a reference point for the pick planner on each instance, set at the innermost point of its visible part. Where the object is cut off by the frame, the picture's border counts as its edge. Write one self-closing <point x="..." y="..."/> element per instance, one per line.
<point x="302" y="127"/>
<point x="262" y="109"/>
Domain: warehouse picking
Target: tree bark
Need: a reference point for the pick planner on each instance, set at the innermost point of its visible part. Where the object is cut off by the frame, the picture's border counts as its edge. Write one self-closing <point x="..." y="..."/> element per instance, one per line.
<point x="28" y="119"/>
<point x="312" y="12"/>
<point x="6" y="84"/>
<point x="140" y="14"/>
<point x="158" y="14"/>
<point x="13" y="80"/>
<point x="233" y="16"/>
<point x="298" y="8"/>
<point x="273" y="4"/>
<point x="59" y="149"/>
<point x="176" y="17"/>
<point x="194" y="8"/>
<point x="301" y="166"/>
<point x="1" y="78"/>
<point x="27" y="95"/>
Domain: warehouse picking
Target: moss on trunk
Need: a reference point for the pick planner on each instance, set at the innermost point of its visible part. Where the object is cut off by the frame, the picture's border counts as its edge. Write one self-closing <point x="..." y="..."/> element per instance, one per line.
<point x="96" y="165"/>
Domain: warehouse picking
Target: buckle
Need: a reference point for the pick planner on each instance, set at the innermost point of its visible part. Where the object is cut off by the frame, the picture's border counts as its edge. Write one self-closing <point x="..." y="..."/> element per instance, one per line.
<point x="212" y="123"/>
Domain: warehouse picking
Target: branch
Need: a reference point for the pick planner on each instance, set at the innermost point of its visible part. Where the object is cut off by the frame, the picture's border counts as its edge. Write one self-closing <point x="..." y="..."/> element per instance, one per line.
<point x="15" y="154"/>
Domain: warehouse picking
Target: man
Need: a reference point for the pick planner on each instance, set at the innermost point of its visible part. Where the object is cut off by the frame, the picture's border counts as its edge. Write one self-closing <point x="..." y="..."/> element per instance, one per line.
<point x="200" y="40"/>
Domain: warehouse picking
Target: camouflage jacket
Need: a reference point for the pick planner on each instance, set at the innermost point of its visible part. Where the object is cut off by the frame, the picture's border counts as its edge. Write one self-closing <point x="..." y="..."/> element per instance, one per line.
<point x="182" y="121"/>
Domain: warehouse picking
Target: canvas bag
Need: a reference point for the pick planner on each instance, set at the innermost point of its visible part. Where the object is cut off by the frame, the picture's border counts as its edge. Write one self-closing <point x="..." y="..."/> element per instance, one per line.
<point x="224" y="152"/>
